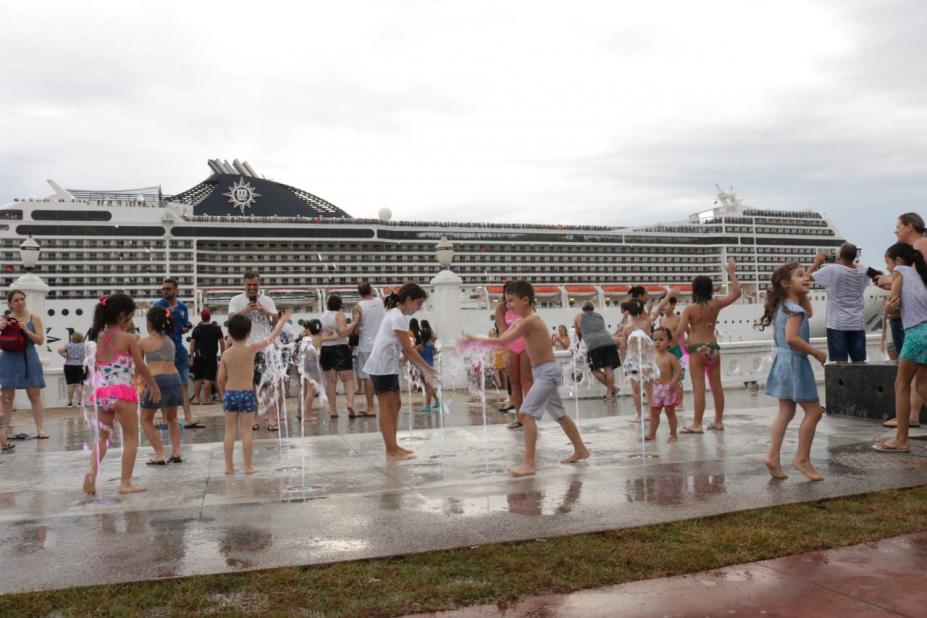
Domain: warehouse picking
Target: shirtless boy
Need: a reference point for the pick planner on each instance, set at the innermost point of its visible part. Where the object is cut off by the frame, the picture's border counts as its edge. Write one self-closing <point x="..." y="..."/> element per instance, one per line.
<point x="236" y="380"/>
<point x="544" y="394"/>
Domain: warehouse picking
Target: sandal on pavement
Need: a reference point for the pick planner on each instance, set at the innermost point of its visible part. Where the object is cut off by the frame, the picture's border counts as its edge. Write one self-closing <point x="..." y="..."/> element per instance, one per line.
<point x="514" y="425"/>
<point x="41" y="436"/>
<point x="715" y="427"/>
<point x="884" y="448"/>
<point x="255" y="427"/>
<point x="9" y="447"/>
<point x="687" y="430"/>
<point x="194" y="425"/>
<point x="156" y="462"/>
<point x="272" y="428"/>
<point x="174" y="459"/>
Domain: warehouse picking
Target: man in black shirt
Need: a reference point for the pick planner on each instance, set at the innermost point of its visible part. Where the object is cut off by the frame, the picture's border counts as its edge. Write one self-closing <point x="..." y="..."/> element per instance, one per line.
<point x="205" y="344"/>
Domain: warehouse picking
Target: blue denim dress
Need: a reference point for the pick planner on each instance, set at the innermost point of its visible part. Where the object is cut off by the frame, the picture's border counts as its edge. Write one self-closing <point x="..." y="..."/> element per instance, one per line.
<point x="22" y="369"/>
<point x="791" y="376"/>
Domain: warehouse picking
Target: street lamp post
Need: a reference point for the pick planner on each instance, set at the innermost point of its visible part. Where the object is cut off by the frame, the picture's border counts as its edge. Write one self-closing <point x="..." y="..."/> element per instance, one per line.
<point x="36" y="292"/>
<point x="447" y="318"/>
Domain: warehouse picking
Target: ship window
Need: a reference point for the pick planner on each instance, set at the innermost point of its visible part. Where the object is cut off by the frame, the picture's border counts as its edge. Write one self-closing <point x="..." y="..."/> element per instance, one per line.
<point x="11" y="215"/>
<point x="71" y="215"/>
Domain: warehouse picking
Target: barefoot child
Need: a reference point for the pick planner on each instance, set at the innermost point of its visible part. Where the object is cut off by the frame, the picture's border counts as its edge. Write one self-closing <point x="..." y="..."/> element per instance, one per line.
<point x="114" y="393"/>
<point x="236" y="380"/>
<point x="311" y="374"/>
<point x="158" y="349"/>
<point x="665" y="390"/>
<point x="546" y="373"/>
<point x="791" y="379"/>
<point x="636" y="319"/>
<point x="383" y="364"/>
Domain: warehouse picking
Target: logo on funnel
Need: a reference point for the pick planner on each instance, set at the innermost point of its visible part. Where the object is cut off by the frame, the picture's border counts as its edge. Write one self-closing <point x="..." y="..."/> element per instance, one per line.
<point x="242" y="195"/>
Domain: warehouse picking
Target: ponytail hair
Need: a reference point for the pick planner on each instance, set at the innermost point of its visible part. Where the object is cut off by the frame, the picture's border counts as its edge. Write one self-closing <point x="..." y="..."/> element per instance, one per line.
<point x="910" y="257"/>
<point x="160" y="320"/>
<point x="109" y="311"/>
<point x="775" y="293"/>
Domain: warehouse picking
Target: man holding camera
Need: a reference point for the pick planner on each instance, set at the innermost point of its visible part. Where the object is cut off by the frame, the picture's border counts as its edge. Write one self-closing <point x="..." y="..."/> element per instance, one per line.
<point x="261" y="310"/>
<point x="845" y="282"/>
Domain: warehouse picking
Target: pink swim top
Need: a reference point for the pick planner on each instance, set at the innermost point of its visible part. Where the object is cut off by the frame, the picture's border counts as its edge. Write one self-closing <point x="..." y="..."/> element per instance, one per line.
<point x="517" y="346"/>
<point x="113" y="380"/>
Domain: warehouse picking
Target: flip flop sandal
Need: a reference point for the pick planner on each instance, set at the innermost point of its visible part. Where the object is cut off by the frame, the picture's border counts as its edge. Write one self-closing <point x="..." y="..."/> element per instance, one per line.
<point x="19" y="436"/>
<point x="7" y="448"/>
<point x="194" y="425"/>
<point x="687" y="430"/>
<point x="367" y="414"/>
<point x="173" y="459"/>
<point x="882" y="448"/>
<point x="273" y="428"/>
<point x="156" y="462"/>
<point x="255" y="427"/>
<point x="514" y="425"/>
<point x="713" y="427"/>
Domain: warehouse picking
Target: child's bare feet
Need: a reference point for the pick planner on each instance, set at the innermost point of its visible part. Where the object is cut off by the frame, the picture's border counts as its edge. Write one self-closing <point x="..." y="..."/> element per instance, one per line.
<point x="672" y="439"/>
<point x="400" y="454"/>
<point x="404" y="450"/>
<point x="808" y="470"/>
<point x="90" y="485"/>
<point x="775" y="469"/>
<point x="576" y="456"/>
<point x="229" y="470"/>
<point x="635" y="419"/>
<point x="648" y="438"/>
<point x="130" y="489"/>
<point x="250" y="470"/>
<point x="522" y="470"/>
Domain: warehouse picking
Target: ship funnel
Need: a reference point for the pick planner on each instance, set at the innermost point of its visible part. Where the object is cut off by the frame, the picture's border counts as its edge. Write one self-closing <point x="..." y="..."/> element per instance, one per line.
<point x="237" y="164"/>
<point x="214" y="166"/>
<point x="249" y="168"/>
<point x="60" y="192"/>
<point x="228" y="168"/>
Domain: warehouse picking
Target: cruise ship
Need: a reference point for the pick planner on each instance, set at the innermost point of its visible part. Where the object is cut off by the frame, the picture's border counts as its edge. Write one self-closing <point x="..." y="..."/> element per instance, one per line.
<point x="96" y="242"/>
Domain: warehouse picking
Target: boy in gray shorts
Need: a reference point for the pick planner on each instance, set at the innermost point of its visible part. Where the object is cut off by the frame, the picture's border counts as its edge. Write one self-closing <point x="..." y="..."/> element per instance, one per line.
<point x="544" y="393"/>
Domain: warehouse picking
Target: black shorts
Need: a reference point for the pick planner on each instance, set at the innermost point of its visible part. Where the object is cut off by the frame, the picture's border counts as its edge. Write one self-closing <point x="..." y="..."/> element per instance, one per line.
<point x="385" y="384"/>
<point x="74" y="374"/>
<point x="336" y="358"/>
<point x="205" y="368"/>
<point x="603" y="358"/>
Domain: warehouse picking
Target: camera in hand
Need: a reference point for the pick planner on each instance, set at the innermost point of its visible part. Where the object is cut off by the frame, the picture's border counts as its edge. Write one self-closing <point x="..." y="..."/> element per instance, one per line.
<point x="830" y="259"/>
<point x="252" y="299"/>
<point x="872" y="273"/>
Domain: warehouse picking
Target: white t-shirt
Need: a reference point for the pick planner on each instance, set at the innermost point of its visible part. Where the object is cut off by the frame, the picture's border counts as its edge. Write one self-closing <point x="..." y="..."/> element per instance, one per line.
<point x="372" y="313"/>
<point x="384" y="358"/>
<point x="845" y="287"/>
<point x="261" y="326"/>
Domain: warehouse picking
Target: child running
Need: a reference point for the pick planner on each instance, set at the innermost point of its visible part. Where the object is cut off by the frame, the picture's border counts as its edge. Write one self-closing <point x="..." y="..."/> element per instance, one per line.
<point x="791" y="379"/>
<point x="383" y="364"/>
<point x="114" y="394"/>
<point x="665" y="390"/>
<point x="158" y="350"/>
<point x="547" y="377"/>
<point x="236" y="380"/>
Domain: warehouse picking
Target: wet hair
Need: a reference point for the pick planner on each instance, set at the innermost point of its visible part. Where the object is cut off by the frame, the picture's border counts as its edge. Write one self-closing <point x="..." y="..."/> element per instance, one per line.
<point x="160" y="320"/>
<point x="410" y="291"/>
<point x="914" y="220"/>
<point x="109" y="311"/>
<point x="427" y="333"/>
<point x="665" y="331"/>
<point x="775" y="293"/>
<point x="239" y="327"/>
<point x="390" y="301"/>
<point x="521" y="289"/>
<point x="910" y="256"/>
<point x="848" y="252"/>
<point x="672" y="300"/>
<point x="77" y="337"/>
<point x="363" y="288"/>
<point x="334" y="303"/>
<point x="703" y="288"/>
<point x="634" y="307"/>
<point x="12" y="293"/>
<point x="250" y="274"/>
<point x="416" y="330"/>
<point x="314" y="326"/>
<point x="637" y="291"/>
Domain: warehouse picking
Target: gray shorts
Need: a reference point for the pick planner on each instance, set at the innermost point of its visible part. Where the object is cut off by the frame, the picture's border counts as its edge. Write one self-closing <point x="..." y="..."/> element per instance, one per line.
<point x="544" y="393"/>
<point x="359" y="365"/>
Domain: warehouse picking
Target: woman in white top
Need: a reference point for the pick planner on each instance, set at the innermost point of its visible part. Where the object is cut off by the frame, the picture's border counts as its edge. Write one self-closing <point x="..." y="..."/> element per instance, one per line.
<point x="383" y="365"/>
<point x="909" y="293"/>
<point x="335" y="356"/>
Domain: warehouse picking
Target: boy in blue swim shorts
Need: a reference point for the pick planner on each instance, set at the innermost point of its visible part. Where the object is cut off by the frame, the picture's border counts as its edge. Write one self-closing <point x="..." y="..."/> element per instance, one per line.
<point x="235" y="379"/>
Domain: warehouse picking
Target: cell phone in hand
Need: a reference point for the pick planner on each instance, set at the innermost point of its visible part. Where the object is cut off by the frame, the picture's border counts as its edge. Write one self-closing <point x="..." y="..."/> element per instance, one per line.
<point x="872" y="273"/>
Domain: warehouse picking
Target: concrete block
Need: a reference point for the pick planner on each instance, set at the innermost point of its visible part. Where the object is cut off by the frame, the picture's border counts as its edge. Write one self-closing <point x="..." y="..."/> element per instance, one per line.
<point x="862" y="390"/>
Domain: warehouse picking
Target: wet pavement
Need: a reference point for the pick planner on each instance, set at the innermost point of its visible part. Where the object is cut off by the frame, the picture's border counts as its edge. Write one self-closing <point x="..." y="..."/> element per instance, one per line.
<point x="330" y="495"/>
<point x="862" y="581"/>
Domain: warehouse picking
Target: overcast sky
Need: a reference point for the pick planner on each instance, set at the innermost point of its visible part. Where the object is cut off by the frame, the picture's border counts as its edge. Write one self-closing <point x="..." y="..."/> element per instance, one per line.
<point x="586" y="113"/>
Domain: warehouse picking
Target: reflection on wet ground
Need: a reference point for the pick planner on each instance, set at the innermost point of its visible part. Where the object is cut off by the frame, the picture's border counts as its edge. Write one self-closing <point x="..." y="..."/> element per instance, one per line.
<point x="331" y="496"/>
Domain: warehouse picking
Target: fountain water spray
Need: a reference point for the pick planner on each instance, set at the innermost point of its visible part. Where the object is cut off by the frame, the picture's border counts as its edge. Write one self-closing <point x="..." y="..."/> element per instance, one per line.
<point x="641" y="365"/>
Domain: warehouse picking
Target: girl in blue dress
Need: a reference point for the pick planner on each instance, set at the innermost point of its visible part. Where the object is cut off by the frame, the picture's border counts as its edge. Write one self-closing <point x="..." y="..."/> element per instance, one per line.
<point x="791" y="379"/>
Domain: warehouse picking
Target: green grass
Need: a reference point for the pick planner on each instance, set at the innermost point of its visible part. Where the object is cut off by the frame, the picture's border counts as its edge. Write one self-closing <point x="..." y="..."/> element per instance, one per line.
<point x="501" y="573"/>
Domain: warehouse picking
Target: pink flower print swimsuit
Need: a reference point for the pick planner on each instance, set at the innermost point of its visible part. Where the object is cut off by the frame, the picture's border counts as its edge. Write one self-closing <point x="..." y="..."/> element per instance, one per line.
<point x="113" y="380"/>
<point x="518" y="346"/>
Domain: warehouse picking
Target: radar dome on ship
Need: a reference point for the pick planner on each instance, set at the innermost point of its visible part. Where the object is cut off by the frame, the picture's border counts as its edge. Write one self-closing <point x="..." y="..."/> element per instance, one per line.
<point x="385" y="214"/>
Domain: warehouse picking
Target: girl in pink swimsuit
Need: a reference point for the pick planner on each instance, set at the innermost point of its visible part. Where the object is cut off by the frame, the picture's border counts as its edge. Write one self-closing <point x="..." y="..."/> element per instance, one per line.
<point x="519" y="366"/>
<point x="114" y="394"/>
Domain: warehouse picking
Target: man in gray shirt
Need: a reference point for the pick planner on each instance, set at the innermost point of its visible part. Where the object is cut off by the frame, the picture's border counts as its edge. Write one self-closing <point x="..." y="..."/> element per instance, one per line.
<point x="845" y="282"/>
<point x="601" y="351"/>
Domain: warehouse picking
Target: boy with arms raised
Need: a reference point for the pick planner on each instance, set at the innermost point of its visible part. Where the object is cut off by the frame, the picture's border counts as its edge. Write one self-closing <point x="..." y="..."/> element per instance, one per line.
<point x="544" y="393"/>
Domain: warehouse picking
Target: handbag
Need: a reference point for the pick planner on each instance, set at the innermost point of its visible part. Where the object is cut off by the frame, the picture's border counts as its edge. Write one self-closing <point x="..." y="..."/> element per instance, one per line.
<point x="12" y="338"/>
